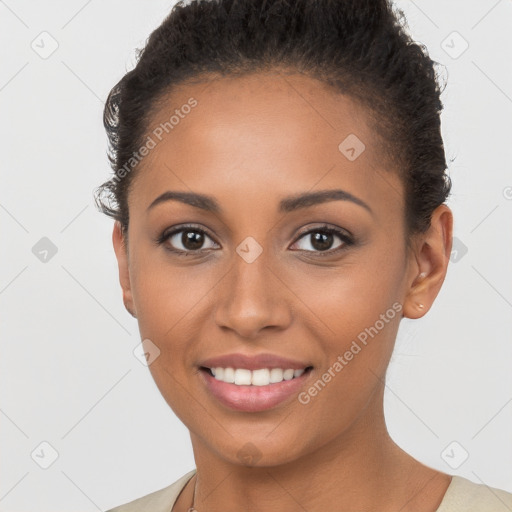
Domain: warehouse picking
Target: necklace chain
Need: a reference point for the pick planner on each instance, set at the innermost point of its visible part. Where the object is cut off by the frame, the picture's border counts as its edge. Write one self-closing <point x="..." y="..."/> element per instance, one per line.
<point x="192" y="508"/>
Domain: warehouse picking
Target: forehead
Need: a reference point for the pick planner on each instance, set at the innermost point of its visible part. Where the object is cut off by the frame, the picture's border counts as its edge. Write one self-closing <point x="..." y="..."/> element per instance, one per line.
<point x="261" y="135"/>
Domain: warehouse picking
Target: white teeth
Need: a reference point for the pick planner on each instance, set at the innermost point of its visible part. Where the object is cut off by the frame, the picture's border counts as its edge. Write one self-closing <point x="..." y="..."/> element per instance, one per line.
<point x="276" y="375"/>
<point x="229" y="375"/>
<point x="241" y="376"/>
<point x="288" y="374"/>
<point x="260" y="377"/>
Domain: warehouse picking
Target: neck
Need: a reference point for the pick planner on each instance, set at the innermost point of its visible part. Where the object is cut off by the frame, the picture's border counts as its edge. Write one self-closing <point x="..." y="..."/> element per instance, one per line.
<point x="361" y="469"/>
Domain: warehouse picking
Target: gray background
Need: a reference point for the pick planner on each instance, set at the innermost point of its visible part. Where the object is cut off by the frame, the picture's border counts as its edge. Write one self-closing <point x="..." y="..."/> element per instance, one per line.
<point x="68" y="373"/>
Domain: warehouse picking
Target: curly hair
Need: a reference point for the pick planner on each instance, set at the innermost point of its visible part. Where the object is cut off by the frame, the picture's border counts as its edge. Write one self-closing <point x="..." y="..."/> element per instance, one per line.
<point x="360" y="48"/>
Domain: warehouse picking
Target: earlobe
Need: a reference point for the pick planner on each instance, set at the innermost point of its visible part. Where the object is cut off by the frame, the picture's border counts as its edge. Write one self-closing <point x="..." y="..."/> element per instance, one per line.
<point x="431" y="257"/>
<point x="121" y="251"/>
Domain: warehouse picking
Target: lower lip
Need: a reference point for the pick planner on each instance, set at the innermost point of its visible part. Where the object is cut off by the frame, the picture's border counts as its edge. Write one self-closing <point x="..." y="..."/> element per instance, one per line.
<point x="253" y="398"/>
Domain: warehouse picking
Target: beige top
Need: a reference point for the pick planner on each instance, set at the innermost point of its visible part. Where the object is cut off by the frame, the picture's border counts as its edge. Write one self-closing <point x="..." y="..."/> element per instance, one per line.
<point x="462" y="495"/>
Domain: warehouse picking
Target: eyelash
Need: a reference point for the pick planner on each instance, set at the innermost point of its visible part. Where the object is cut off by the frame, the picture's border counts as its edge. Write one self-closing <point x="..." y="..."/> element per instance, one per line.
<point x="344" y="237"/>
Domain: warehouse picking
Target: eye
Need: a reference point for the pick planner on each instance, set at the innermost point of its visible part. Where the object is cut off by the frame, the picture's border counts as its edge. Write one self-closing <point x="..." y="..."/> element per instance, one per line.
<point x="323" y="239"/>
<point x="186" y="240"/>
<point x="191" y="239"/>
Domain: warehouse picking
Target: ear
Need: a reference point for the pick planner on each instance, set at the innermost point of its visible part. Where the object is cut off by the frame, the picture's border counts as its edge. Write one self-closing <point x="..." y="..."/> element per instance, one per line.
<point x="432" y="251"/>
<point x="121" y="251"/>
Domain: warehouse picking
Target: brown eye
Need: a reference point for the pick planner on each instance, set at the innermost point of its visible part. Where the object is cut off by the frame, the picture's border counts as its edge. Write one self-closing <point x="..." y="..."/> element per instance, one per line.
<point x="192" y="240"/>
<point x="187" y="239"/>
<point x="324" y="239"/>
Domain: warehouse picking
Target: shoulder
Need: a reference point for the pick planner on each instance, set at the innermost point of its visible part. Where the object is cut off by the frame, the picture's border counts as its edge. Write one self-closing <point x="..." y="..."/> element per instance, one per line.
<point x="463" y="495"/>
<point x="158" y="501"/>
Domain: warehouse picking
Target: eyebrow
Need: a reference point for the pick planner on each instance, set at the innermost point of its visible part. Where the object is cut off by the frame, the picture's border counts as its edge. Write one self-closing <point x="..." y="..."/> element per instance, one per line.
<point x="287" y="204"/>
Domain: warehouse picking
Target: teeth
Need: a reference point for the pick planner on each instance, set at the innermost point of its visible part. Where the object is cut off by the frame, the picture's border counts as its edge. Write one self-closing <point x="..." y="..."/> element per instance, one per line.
<point x="288" y="374"/>
<point x="241" y="377"/>
<point x="229" y="375"/>
<point x="276" y="375"/>
<point x="260" y="377"/>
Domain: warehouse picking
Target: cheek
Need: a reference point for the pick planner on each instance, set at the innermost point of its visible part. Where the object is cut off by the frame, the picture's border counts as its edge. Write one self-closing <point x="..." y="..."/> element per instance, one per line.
<point x="354" y="312"/>
<point x="346" y="300"/>
<point x="359" y="326"/>
<point x="166" y="295"/>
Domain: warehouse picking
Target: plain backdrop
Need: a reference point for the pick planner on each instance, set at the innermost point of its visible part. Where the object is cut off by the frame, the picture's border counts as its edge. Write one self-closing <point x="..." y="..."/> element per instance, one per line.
<point x="73" y="395"/>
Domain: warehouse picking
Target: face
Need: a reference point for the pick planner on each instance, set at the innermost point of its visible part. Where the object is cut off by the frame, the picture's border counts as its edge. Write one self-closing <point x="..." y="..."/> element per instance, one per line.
<point x="253" y="278"/>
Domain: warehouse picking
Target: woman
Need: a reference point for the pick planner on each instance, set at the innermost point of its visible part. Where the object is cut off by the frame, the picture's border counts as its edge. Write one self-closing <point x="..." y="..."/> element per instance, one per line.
<point x="279" y="204"/>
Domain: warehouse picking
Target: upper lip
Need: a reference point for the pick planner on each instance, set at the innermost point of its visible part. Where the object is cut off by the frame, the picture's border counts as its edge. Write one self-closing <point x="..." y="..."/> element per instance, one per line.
<point x="253" y="362"/>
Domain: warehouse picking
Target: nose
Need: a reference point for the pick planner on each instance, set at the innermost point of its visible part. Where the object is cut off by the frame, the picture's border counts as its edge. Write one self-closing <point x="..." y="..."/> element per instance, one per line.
<point x="252" y="297"/>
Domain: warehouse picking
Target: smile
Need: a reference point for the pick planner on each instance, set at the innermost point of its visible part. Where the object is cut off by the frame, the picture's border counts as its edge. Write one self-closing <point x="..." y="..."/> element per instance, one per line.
<point x="260" y="377"/>
<point x="256" y="390"/>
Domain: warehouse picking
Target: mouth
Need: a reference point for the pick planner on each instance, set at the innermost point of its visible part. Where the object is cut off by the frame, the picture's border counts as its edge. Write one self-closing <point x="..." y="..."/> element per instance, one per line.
<point x="253" y="390"/>
<point x="259" y="377"/>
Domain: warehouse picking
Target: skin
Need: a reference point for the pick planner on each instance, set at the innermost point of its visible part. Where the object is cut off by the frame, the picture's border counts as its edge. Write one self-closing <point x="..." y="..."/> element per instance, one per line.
<point x="250" y="142"/>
